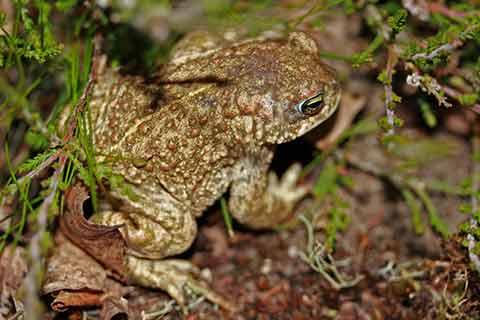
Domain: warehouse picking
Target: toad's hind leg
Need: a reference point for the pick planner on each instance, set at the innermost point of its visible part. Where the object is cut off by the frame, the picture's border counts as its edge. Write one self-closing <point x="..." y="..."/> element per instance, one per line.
<point x="150" y="240"/>
<point x="152" y="237"/>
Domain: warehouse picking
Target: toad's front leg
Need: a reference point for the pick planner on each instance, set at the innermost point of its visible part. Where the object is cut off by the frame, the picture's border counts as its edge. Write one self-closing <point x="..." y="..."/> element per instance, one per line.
<point x="258" y="198"/>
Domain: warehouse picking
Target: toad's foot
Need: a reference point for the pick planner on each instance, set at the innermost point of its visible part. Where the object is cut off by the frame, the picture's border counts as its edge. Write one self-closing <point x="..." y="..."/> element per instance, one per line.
<point x="175" y="277"/>
<point x="286" y="189"/>
<point x="260" y="199"/>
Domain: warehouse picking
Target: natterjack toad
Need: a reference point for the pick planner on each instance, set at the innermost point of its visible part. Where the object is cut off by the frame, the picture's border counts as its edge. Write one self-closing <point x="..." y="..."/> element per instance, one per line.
<point x="207" y="124"/>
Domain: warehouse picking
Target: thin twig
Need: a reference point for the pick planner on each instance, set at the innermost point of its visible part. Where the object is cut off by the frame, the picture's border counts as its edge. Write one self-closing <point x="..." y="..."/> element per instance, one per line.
<point x="389" y="103"/>
<point x="447" y="47"/>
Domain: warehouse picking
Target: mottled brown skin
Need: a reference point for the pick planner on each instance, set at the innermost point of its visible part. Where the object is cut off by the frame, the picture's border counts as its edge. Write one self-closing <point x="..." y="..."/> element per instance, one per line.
<point x="208" y="123"/>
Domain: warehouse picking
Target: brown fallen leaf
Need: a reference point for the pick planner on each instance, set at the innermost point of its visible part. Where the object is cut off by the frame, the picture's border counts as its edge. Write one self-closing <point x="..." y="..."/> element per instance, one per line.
<point x="68" y="299"/>
<point x="77" y="280"/>
<point x="69" y="268"/>
<point x="104" y="243"/>
<point x="112" y="305"/>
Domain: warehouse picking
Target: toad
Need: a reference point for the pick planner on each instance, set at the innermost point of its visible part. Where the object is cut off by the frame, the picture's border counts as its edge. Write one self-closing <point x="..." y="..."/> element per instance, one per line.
<point x="207" y="124"/>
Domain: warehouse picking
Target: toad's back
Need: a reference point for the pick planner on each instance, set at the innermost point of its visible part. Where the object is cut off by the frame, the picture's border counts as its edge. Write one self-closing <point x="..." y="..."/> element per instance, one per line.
<point x="184" y="147"/>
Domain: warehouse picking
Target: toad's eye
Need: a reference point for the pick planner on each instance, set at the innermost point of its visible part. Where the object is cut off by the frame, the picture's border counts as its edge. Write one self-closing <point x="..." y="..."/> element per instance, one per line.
<point x="311" y="106"/>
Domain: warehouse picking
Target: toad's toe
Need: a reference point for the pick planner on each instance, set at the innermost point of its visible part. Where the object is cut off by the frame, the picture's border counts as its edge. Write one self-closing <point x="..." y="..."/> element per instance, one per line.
<point x="179" y="278"/>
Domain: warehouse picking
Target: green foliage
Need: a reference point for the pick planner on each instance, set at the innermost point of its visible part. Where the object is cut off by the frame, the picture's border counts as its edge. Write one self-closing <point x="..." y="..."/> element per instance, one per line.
<point x="325" y="191"/>
<point x="384" y="124"/>
<point x="449" y="31"/>
<point x="32" y="163"/>
<point x="428" y="114"/>
<point x="115" y="181"/>
<point x="415" y="208"/>
<point x="36" y="140"/>
<point x="338" y="221"/>
<point x="30" y="51"/>
<point x="22" y="187"/>
<point x="326" y="182"/>
<point x="227" y="217"/>
<point x="366" y="55"/>
<point x="325" y="188"/>
<point x="435" y="221"/>
<point x="471" y="229"/>
<point x="469" y="99"/>
<point x="135" y="50"/>
<point x="84" y="135"/>
<point x="32" y="37"/>
<point x="229" y="14"/>
<point x="397" y="22"/>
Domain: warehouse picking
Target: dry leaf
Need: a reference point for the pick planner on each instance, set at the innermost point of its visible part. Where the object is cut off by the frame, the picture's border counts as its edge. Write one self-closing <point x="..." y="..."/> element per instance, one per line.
<point x="69" y="268"/>
<point x="68" y="299"/>
<point x="104" y="243"/>
<point x="77" y="280"/>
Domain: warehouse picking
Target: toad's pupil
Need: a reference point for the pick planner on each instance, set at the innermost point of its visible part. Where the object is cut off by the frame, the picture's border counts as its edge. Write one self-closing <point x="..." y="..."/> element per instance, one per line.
<point x="312" y="105"/>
